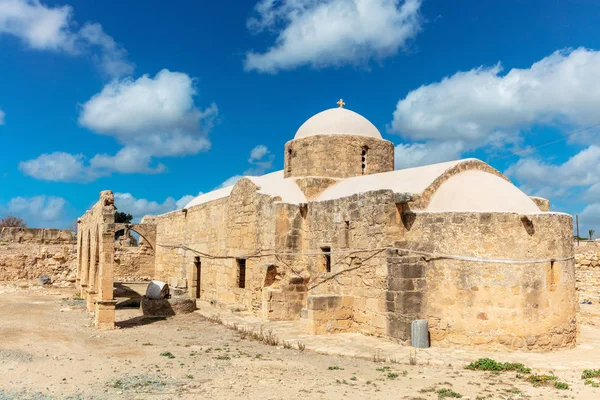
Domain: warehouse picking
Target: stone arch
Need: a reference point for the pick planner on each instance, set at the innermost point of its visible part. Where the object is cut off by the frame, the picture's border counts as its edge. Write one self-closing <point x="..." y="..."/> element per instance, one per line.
<point x="146" y="231"/>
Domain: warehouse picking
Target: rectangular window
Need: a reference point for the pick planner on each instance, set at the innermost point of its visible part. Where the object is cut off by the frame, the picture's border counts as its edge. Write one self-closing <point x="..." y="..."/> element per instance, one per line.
<point x="241" y="273"/>
<point x="326" y="258"/>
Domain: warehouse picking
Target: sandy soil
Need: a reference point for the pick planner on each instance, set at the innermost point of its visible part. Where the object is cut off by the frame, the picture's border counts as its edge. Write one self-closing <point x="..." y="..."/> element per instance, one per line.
<point x="48" y="349"/>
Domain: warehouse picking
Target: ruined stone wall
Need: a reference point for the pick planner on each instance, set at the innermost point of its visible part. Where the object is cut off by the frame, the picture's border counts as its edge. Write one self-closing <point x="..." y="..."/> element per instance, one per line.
<point x="27" y="253"/>
<point x="337" y="156"/>
<point x="27" y="261"/>
<point x="529" y="306"/>
<point x="36" y="236"/>
<point x="587" y="271"/>
<point x="134" y="263"/>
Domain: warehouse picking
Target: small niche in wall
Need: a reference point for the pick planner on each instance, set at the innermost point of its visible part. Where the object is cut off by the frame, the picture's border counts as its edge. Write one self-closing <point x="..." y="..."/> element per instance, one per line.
<point x="326" y="258"/>
<point x="241" y="264"/>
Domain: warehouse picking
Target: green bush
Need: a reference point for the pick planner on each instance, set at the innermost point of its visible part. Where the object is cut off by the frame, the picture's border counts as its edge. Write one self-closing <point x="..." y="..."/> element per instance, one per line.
<point x="590" y="373"/>
<point x="487" y="364"/>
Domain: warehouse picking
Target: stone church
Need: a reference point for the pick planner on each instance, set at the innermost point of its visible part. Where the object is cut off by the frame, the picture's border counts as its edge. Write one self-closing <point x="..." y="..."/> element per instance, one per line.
<point x="342" y="241"/>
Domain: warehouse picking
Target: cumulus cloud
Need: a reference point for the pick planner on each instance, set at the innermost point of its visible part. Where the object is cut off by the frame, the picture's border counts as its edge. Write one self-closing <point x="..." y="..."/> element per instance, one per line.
<point x="322" y="33"/>
<point x="483" y="107"/>
<point x="39" y="211"/>
<point x="43" y="27"/>
<point x="261" y="160"/>
<point x="419" y="154"/>
<point x="57" y="167"/>
<point x="125" y="202"/>
<point x="2" y="117"/>
<point x="580" y="170"/>
<point x="151" y="118"/>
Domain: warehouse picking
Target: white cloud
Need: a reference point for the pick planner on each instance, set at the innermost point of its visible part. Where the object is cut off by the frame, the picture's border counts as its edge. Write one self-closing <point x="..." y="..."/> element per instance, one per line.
<point x="57" y="167"/>
<point x="323" y="33"/>
<point x="44" y="27"/>
<point x="39" y="211"/>
<point x="157" y="114"/>
<point x="481" y="107"/>
<point x="589" y="218"/>
<point x="125" y="202"/>
<point x="258" y="153"/>
<point x="2" y="115"/>
<point x="261" y="160"/>
<point x="150" y="117"/>
<point x="580" y="170"/>
<point x="418" y="154"/>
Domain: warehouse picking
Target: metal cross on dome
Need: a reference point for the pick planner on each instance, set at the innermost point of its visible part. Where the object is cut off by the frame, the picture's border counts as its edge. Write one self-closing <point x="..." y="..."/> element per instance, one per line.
<point x="341" y="103"/>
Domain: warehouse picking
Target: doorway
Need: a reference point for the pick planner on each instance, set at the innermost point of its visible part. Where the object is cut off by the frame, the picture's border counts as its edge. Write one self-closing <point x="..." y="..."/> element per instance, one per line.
<point x="198" y="265"/>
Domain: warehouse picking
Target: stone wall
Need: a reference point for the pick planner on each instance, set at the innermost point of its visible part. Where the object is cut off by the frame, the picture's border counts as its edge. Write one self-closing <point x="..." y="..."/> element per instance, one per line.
<point x="587" y="271"/>
<point x="528" y="306"/>
<point x="27" y="261"/>
<point x="337" y="156"/>
<point x="212" y="237"/>
<point x="382" y="286"/>
<point x="36" y="235"/>
<point x="133" y="263"/>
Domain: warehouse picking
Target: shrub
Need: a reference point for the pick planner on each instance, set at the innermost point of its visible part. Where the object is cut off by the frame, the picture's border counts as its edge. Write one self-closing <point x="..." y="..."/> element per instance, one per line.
<point x="487" y="364"/>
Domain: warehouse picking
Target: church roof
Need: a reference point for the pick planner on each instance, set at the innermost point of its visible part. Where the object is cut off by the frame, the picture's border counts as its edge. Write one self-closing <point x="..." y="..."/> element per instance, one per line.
<point x="337" y="121"/>
<point x="462" y="185"/>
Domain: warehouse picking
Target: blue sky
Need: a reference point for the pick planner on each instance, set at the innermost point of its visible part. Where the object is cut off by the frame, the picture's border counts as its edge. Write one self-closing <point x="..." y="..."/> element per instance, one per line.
<point x="160" y="102"/>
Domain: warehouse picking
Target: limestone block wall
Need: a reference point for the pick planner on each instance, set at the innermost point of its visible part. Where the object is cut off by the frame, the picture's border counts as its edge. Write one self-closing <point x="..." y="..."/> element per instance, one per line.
<point x="337" y="156"/>
<point x="587" y="271"/>
<point x="29" y="260"/>
<point x="495" y="305"/>
<point x="216" y="235"/>
<point x="36" y="235"/>
<point x="329" y="314"/>
<point x="356" y="230"/>
<point x="134" y="263"/>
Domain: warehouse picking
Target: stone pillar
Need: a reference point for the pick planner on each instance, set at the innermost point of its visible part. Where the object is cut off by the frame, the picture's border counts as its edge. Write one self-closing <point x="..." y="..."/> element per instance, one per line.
<point x="94" y="267"/>
<point x="105" y="303"/>
<point x="79" y="248"/>
<point x="85" y="267"/>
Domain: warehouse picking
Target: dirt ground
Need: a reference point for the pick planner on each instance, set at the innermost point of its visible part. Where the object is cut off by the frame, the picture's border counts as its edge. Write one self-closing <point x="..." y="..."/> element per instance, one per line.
<point x="48" y="350"/>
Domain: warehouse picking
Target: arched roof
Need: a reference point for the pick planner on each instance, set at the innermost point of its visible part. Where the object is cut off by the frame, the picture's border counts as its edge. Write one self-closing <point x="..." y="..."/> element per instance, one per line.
<point x="480" y="191"/>
<point x="337" y="121"/>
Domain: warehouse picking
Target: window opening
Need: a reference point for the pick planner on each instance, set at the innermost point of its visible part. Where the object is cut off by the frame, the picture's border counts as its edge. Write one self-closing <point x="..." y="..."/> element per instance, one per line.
<point x="326" y="258"/>
<point x="241" y="273"/>
<point x="365" y="149"/>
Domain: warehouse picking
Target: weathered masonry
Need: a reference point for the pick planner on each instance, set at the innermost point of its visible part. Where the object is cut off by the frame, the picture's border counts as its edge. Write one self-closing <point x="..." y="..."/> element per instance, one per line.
<point x="340" y="238"/>
<point x="97" y="258"/>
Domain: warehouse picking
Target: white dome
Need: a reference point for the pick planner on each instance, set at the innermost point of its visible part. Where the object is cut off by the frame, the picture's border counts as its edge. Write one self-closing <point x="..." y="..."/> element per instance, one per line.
<point x="337" y="121"/>
<point x="479" y="191"/>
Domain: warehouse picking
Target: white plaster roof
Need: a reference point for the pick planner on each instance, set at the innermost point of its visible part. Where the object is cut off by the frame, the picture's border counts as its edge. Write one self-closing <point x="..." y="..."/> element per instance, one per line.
<point x="274" y="184"/>
<point x="480" y="191"/>
<point x="471" y="190"/>
<point x="210" y="196"/>
<point x="409" y="180"/>
<point x="337" y="121"/>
